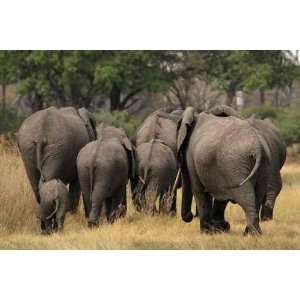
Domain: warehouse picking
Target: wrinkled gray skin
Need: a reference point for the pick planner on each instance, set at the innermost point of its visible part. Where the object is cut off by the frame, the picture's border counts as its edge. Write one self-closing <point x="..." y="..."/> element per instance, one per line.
<point x="278" y="156"/>
<point x="224" y="158"/>
<point x="104" y="167"/>
<point x="49" y="141"/>
<point x="54" y="205"/>
<point x="157" y="167"/>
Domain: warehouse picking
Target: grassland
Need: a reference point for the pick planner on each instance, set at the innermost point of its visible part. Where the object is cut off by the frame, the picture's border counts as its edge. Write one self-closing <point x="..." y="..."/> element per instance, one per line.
<point x="19" y="227"/>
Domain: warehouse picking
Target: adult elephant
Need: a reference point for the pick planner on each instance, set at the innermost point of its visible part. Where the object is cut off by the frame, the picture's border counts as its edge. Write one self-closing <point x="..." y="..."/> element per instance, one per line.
<point x="49" y="141"/>
<point x="104" y="167"/>
<point x="277" y="148"/>
<point x="224" y="158"/>
<point x="157" y="168"/>
<point x="278" y="156"/>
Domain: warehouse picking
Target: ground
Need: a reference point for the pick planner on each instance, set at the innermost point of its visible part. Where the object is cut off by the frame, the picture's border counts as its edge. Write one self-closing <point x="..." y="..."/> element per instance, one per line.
<point x="19" y="227"/>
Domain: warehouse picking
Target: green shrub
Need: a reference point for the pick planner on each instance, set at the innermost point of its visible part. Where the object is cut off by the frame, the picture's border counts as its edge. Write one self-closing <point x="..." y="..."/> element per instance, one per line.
<point x="10" y="121"/>
<point x="286" y="119"/>
<point x="262" y="112"/>
<point x="119" y="119"/>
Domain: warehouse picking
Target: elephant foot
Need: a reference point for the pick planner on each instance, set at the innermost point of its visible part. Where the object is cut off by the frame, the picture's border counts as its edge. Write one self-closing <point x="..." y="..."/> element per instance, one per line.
<point x="252" y="230"/>
<point x="221" y="226"/>
<point x="92" y="224"/>
<point x="188" y="217"/>
<point x="207" y="228"/>
<point x="266" y="214"/>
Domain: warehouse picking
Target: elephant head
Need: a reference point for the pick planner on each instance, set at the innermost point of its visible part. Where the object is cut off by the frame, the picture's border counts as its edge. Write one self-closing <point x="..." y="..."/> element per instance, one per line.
<point x="89" y="121"/>
<point x="54" y="203"/>
<point x="184" y="130"/>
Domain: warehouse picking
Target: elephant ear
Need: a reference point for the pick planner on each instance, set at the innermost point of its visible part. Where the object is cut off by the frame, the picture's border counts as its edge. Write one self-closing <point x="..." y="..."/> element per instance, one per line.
<point x="183" y="127"/>
<point x="129" y="149"/>
<point x="89" y="121"/>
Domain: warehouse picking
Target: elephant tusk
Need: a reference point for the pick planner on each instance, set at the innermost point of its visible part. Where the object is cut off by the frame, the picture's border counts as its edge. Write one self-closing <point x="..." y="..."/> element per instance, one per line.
<point x="176" y="182"/>
<point x="142" y="180"/>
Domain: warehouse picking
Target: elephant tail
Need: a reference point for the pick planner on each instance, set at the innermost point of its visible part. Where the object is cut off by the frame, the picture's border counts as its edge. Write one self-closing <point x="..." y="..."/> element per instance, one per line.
<point x="93" y="165"/>
<point x="147" y="167"/>
<point x="262" y="147"/>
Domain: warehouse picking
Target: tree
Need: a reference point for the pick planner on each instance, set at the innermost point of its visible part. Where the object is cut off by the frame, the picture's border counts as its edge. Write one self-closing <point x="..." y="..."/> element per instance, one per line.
<point x="76" y="77"/>
<point x="62" y="77"/>
<point x="124" y="74"/>
<point x="249" y="70"/>
<point x="7" y="73"/>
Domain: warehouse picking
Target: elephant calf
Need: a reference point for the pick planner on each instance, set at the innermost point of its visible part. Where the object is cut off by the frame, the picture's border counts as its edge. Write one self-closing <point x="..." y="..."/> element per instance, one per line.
<point x="155" y="143"/>
<point x="54" y="205"/>
<point x="157" y="167"/>
<point x="104" y="167"/>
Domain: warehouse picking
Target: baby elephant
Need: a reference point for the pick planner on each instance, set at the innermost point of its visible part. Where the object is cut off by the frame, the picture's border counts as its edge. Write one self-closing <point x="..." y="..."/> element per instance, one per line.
<point x="104" y="167"/>
<point x="54" y="204"/>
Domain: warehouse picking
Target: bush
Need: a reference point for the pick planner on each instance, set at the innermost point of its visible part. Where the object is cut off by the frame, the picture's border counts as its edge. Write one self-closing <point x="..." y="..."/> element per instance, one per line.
<point x="262" y="112"/>
<point x="10" y="121"/>
<point x="286" y="119"/>
<point x="119" y="119"/>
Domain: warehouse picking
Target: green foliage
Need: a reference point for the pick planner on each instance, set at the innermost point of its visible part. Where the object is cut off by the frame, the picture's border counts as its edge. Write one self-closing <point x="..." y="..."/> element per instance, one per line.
<point x="249" y="70"/>
<point x="262" y="112"/>
<point x="10" y="121"/>
<point x="286" y="119"/>
<point x="119" y="119"/>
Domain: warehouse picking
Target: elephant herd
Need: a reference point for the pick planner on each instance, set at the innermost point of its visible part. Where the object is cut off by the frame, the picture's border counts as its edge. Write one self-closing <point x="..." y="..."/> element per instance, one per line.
<point x="215" y="156"/>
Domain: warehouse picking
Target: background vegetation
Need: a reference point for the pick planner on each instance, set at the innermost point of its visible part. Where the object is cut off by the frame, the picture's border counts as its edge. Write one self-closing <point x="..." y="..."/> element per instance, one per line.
<point x="77" y="78"/>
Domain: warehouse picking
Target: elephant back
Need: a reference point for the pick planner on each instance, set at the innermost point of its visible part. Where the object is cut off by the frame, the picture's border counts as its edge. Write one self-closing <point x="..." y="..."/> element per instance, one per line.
<point x="158" y="127"/>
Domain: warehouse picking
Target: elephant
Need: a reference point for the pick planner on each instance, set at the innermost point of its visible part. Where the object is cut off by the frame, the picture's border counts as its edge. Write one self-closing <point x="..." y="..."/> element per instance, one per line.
<point x="54" y="205"/>
<point x="277" y="148"/>
<point x="225" y="159"/>
<point x="278" y="156"/>
<point x="49" y="142"/>
<point x="157" y="167"/>
<point x="104" y="167"/>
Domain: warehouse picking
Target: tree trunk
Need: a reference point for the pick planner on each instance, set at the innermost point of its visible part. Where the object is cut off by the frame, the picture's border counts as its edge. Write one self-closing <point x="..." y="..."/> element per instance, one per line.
<point x="115" y="98"/>
<point x="4" y="97"/>
<point x="262" y="96"/>
<point x="276" y="97"/>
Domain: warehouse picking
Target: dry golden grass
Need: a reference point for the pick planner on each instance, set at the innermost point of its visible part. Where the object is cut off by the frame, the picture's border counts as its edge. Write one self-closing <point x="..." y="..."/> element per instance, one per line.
<point x="19" y="227"/>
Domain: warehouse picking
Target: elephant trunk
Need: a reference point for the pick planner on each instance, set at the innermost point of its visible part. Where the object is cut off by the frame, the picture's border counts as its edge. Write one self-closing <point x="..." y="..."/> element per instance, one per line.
<point x="187" y="196"/>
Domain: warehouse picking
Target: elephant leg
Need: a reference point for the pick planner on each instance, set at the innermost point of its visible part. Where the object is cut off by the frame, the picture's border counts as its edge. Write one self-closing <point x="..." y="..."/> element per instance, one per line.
<point x="247" y="200"/>
<point x="204" y="207"/>
<point x="34" y="176"/>
<point x="119" y="205"/>
<point x="167" y="203"/>
<point x="218" y="217"/>
<point x="173" y="206"/>
<point x="74" y="191"/>
<point x="98" y="200"/>
<point x="85" y="184"/>
<point x="136" y="188"/>
<point x="150" y="200"/>
<point x="274" y="189"/>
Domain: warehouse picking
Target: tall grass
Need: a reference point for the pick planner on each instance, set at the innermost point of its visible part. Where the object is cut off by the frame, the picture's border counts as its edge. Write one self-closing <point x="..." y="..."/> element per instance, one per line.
<point x="19" y="227"/>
